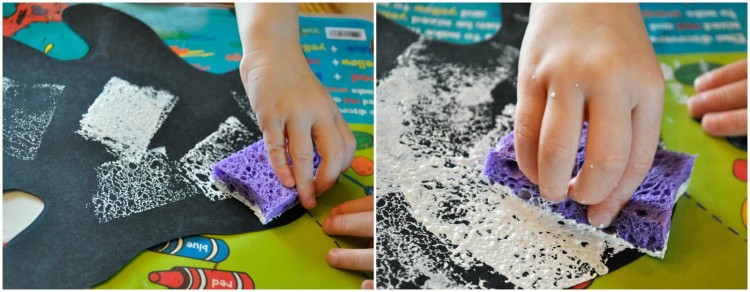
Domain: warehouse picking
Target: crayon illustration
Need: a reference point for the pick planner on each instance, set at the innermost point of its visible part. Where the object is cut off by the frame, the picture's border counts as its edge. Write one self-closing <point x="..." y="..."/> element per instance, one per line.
<point x="197" y="278"/>
<point x="195" y="247"/>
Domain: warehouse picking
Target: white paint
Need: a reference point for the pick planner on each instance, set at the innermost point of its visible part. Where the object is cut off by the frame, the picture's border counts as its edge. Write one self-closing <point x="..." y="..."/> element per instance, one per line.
<point x="20" y="209"/>
<point x="25" y="120"/>
<point x="126" y="187"/>
<point x="244" y="103"/>
<point x="253" y="207"/>
<point x="124" y="117"/>
<point x="492" y="225"/>
<point x="230" y="137"/>
<point x="667" y="71"/>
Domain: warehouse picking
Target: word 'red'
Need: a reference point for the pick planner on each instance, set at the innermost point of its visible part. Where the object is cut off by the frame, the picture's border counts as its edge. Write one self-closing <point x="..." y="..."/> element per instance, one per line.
<point x="197" y="278"/>
<point x="362" y="77"/>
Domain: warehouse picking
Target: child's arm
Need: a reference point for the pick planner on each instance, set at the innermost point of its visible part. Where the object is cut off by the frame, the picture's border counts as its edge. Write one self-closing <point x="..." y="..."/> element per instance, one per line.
<point x="589" y="62"/>
<point x="721" y="100"/>
<point x="289" y="101"/>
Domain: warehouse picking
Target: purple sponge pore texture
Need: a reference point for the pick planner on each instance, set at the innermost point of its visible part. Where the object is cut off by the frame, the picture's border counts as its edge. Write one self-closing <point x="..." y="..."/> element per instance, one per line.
<point x="249" y="173"/>
<point x="645" y="219"/>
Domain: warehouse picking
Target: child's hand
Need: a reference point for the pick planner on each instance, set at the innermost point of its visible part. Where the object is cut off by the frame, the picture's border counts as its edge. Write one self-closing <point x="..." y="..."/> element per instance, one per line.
<point x="589" y="62"/>
<point x="721" y="100"/>
<point x="290" y="103"/>
<point x="352" y="218"/>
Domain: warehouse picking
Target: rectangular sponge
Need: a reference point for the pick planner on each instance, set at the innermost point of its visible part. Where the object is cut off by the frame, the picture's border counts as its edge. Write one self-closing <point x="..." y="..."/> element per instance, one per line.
<point x="248" y="176"/>
<point x="644" y="221"/>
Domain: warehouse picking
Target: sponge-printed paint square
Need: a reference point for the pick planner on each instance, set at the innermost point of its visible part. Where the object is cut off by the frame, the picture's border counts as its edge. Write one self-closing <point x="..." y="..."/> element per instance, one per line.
<point x="124" y="117"/>
<point x="27" y="111"/>
<point x="231" y="136"/>
<point x="127" y="187"/>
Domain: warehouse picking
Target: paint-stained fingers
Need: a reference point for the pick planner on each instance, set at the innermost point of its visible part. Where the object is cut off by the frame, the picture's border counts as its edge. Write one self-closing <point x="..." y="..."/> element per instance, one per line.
<point x="331" y="148"/>
<point x="726" y="74"/>
<point x="728" y="97"/>
<point x="362" y="204"/>
<point x="607" y="148"/>
<point x="645" y="140"/>
<point x="559" y="140"/>
<point x="728" y="123"/>
<point x="352" y="224"/>
<point x="275" y="143"/>
<point x="368" y="284"/>
<point x="302" y="155"/>
<point x="350" y="143"/>
<point x="352" y="259"/>
<point x="528" y="123"/>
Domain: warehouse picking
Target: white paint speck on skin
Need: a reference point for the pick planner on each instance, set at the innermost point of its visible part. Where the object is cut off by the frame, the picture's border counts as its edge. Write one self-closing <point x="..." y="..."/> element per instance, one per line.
<point x="495" y="225"/>
<point x="124" y="117"/>
<point x="552" y="95"/>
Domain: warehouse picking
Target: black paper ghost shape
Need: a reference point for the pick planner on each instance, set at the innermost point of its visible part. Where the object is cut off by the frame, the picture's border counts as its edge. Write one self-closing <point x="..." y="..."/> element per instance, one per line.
<point x="67" y="246"/>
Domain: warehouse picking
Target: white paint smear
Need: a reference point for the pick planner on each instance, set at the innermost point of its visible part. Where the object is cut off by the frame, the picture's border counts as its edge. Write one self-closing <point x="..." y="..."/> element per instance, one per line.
<point x="433" y="137"/>
<point x="232" y="136"/>
<point x="124" y="117"/>
<point x="27" y="112"/>
<point x="244" y="103"/>
<point x="127" y="187"/>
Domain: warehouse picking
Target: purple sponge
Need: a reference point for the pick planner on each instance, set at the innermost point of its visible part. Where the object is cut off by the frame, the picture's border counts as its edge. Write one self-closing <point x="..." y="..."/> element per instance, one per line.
<point x="248" y="176"/>
<point x="644" y="221"/>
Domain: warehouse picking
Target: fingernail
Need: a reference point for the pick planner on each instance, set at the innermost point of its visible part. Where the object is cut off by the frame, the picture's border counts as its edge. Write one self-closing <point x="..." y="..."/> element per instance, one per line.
<point x="600" y="219"/>
<point x="326" y="224"/>
<point x="312" y="203"/>
<point x="333" y="257"/>
<point x="286" y="180"/>
<point x="366" y="284"/>
<point x="697" y="82"/>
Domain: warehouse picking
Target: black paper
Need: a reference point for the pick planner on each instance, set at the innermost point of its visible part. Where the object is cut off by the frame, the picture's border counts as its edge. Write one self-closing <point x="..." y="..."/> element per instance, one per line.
<point x="66" y="246"/>
<point x="393" y="217"/>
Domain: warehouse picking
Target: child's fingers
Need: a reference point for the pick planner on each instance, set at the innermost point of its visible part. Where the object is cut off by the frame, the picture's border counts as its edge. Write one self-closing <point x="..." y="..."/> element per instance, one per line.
<point x="559" y="140"/>
<point x="275" y="143"/>
<point x="528" y="123"/>
<point x="352" y="259"/>
<point x="331" y="149"/>
<point x="368" y="284"/>
<point x="728" y="123"/>
<point x="301" y="152"/>
<point x="358" y="205"/>
<point x="721" y="76"/>
<point x="352" y="224"/>
<point x="350" y="142"/>
<point x="607" y="148"/>
<point x="727" y="97"/>
<point x="645" y="139"/>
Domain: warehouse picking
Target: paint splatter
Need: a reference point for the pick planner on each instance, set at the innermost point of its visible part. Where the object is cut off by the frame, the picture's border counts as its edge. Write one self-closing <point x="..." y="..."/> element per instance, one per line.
<point x="126" y="187"/>
<point x="27" y="112"/>
<point x="231" y="137"/>
<point x="124" y="117"/>
<point x="433" y="155"/>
